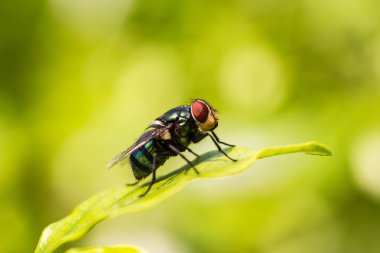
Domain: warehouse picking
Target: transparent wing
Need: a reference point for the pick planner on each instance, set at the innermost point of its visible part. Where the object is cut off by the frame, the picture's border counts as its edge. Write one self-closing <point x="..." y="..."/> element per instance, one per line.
<point x="144" y="138"/>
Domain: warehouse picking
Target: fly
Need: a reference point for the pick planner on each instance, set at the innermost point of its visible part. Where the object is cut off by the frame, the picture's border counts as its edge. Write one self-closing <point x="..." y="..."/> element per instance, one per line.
<point x="170" y="135"/>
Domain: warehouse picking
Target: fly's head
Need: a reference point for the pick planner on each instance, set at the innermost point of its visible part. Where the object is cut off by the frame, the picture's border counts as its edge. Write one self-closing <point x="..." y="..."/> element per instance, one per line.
<point x="205" y="116"/>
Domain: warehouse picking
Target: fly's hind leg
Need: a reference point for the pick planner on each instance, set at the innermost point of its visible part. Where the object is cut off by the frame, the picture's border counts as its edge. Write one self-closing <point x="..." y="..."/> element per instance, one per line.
<point x="174" y="149"/>
<point x="134" y="183"/>
<point x="153" y="177"/>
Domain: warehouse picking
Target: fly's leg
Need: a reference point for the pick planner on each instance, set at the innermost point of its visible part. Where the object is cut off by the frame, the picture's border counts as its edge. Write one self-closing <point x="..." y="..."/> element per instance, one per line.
<point x="219" y="148"/>
<point x="219" y="141"/>
<point x="192" y="152"/>
<point x="153" y="177"/>
<point x="174" y="149"/>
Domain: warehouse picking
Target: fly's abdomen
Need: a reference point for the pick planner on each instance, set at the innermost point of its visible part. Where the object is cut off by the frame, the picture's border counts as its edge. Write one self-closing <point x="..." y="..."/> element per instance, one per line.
<point x="142" y="160"/>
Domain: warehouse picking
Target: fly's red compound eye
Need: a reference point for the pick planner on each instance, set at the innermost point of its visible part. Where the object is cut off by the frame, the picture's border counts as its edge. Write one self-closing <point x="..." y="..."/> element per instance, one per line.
<point x="200" y="111"/>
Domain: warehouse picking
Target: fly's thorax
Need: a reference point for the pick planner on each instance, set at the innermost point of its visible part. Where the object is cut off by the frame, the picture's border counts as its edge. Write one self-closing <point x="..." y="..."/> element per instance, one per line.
<point x="176" y="115"/>
<point x="181" y="133"/>
<point x="165" y="135"/>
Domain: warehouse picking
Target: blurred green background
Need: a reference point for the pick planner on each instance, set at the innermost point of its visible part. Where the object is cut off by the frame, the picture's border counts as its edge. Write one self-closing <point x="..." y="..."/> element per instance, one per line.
<point x="81" y="79"/>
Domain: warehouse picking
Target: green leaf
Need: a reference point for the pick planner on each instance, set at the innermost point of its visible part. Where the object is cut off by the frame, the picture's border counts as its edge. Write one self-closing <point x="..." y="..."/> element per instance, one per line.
<point x="120" y="249"/>
<point x="126" y="199"/>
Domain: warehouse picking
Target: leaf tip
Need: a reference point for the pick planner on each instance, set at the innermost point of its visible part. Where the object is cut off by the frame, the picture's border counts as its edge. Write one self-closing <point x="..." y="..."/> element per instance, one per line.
<point x="316" y="148"/>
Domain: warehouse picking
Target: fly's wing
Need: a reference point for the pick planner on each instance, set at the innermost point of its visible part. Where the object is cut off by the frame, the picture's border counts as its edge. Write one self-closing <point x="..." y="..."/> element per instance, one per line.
<point x="145" y="137"/>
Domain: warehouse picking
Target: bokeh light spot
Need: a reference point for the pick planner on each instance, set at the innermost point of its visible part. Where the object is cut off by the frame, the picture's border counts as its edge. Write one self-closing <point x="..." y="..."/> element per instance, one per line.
<point x="365" y="163"/>
<point x="253" y="78"/>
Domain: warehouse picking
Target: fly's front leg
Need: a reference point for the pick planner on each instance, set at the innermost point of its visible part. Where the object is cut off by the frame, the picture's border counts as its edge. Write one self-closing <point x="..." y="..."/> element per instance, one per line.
<point x="219" y="148"/>
<point x="219" y="141"/>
